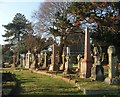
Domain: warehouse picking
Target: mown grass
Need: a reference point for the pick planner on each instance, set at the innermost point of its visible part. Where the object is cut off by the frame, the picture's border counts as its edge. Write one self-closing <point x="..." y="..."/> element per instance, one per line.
<point x="36" y="84"/>
<point x="95" y="85"/>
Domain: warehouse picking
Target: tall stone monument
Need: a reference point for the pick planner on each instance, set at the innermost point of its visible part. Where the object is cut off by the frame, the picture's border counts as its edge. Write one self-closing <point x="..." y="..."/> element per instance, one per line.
<point x="86" y="64"/>
<point x="112" y="72"/>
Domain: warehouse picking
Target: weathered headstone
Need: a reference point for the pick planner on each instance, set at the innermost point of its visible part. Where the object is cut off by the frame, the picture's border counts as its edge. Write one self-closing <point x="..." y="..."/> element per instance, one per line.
<point x="22" y="60"/>
<point x="45" y="60"/>
<point x="28" y="55"/>
<point x="68" y="50"/>
<point x="53" y="66"/>
<point x="112" y="72"/>
<point x="63" y="62"/>
<point x="66" y="65"/>
<point x="14" y="61"/>
<point x="86" y="64"/>
<point x="32" y="62"/>
<point x="97" y="71"/>
<point x="79" y="62"/>
<point x="39" y="59"/>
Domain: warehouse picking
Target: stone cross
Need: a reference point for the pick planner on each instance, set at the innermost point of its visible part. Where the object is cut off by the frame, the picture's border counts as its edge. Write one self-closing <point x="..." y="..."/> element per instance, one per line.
<point x="85" y="71"/>
<point x="112" y="75"/>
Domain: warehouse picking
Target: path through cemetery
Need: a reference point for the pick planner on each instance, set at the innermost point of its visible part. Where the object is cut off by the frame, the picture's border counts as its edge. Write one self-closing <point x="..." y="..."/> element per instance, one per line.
<point x="30" y="83"/>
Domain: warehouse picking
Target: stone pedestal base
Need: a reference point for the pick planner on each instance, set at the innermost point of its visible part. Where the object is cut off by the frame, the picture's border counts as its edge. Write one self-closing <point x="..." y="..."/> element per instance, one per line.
<point x="53" y="67"/>
<point x="27" y="67"/>
<point x="97" y="73"/>
<point x="62" y="67"/>
<point x="115" y="81"/>
<point x="85" y="69"/>
<point x="12" y="65"/>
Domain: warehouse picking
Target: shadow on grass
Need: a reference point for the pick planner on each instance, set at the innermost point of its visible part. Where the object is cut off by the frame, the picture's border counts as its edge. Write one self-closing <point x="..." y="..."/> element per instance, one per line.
<point x="16" y="90"/>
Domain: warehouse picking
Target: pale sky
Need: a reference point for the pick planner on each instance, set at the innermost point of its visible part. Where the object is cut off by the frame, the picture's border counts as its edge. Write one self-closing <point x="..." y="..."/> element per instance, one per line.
<point x="9" y="9"/>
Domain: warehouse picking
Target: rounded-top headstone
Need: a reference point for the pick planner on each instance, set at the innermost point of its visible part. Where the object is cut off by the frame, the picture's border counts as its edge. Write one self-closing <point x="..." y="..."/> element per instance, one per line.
<point x="111" y="49"/>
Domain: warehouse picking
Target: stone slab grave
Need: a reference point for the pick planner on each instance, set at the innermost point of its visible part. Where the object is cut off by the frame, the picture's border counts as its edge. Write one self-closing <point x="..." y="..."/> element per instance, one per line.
<point x="113" y="77"/>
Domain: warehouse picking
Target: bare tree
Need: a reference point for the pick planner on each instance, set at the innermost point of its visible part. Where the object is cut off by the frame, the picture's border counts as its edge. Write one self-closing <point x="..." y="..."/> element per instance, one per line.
<point x="45" y="16"/>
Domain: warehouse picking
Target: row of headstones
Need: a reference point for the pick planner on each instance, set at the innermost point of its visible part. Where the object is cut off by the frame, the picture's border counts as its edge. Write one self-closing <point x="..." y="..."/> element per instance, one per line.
<point x="86" y="68"/>
<point x="32" y="61"/>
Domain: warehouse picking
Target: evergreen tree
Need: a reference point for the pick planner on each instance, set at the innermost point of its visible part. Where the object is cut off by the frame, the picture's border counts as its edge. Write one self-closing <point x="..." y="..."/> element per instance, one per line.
<point x="15" y="32"/>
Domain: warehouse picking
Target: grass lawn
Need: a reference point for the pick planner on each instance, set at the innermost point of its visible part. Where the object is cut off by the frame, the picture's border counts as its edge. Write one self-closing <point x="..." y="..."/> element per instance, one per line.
<point x="35" y="84"/>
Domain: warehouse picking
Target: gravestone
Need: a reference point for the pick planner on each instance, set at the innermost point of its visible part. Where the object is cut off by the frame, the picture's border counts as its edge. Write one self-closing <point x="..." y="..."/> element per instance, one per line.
<point x="97" y="71"/>
<point x="22" y="60"/>
<point x="112" y="72"/>
<point x="39" y="59"/>
<point x="86" y="63"/>
<point x="68" y="65"/>
<point x="14" y="61"/>
<point x="32" y="61"/>
<point x="53" y="66"/>
<point x="79" y="62"/>
<point x="66" y="71"/>
<point x="45" y="60"/>
<point x="63" y="62"/>
<point x="28" y="60"/>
